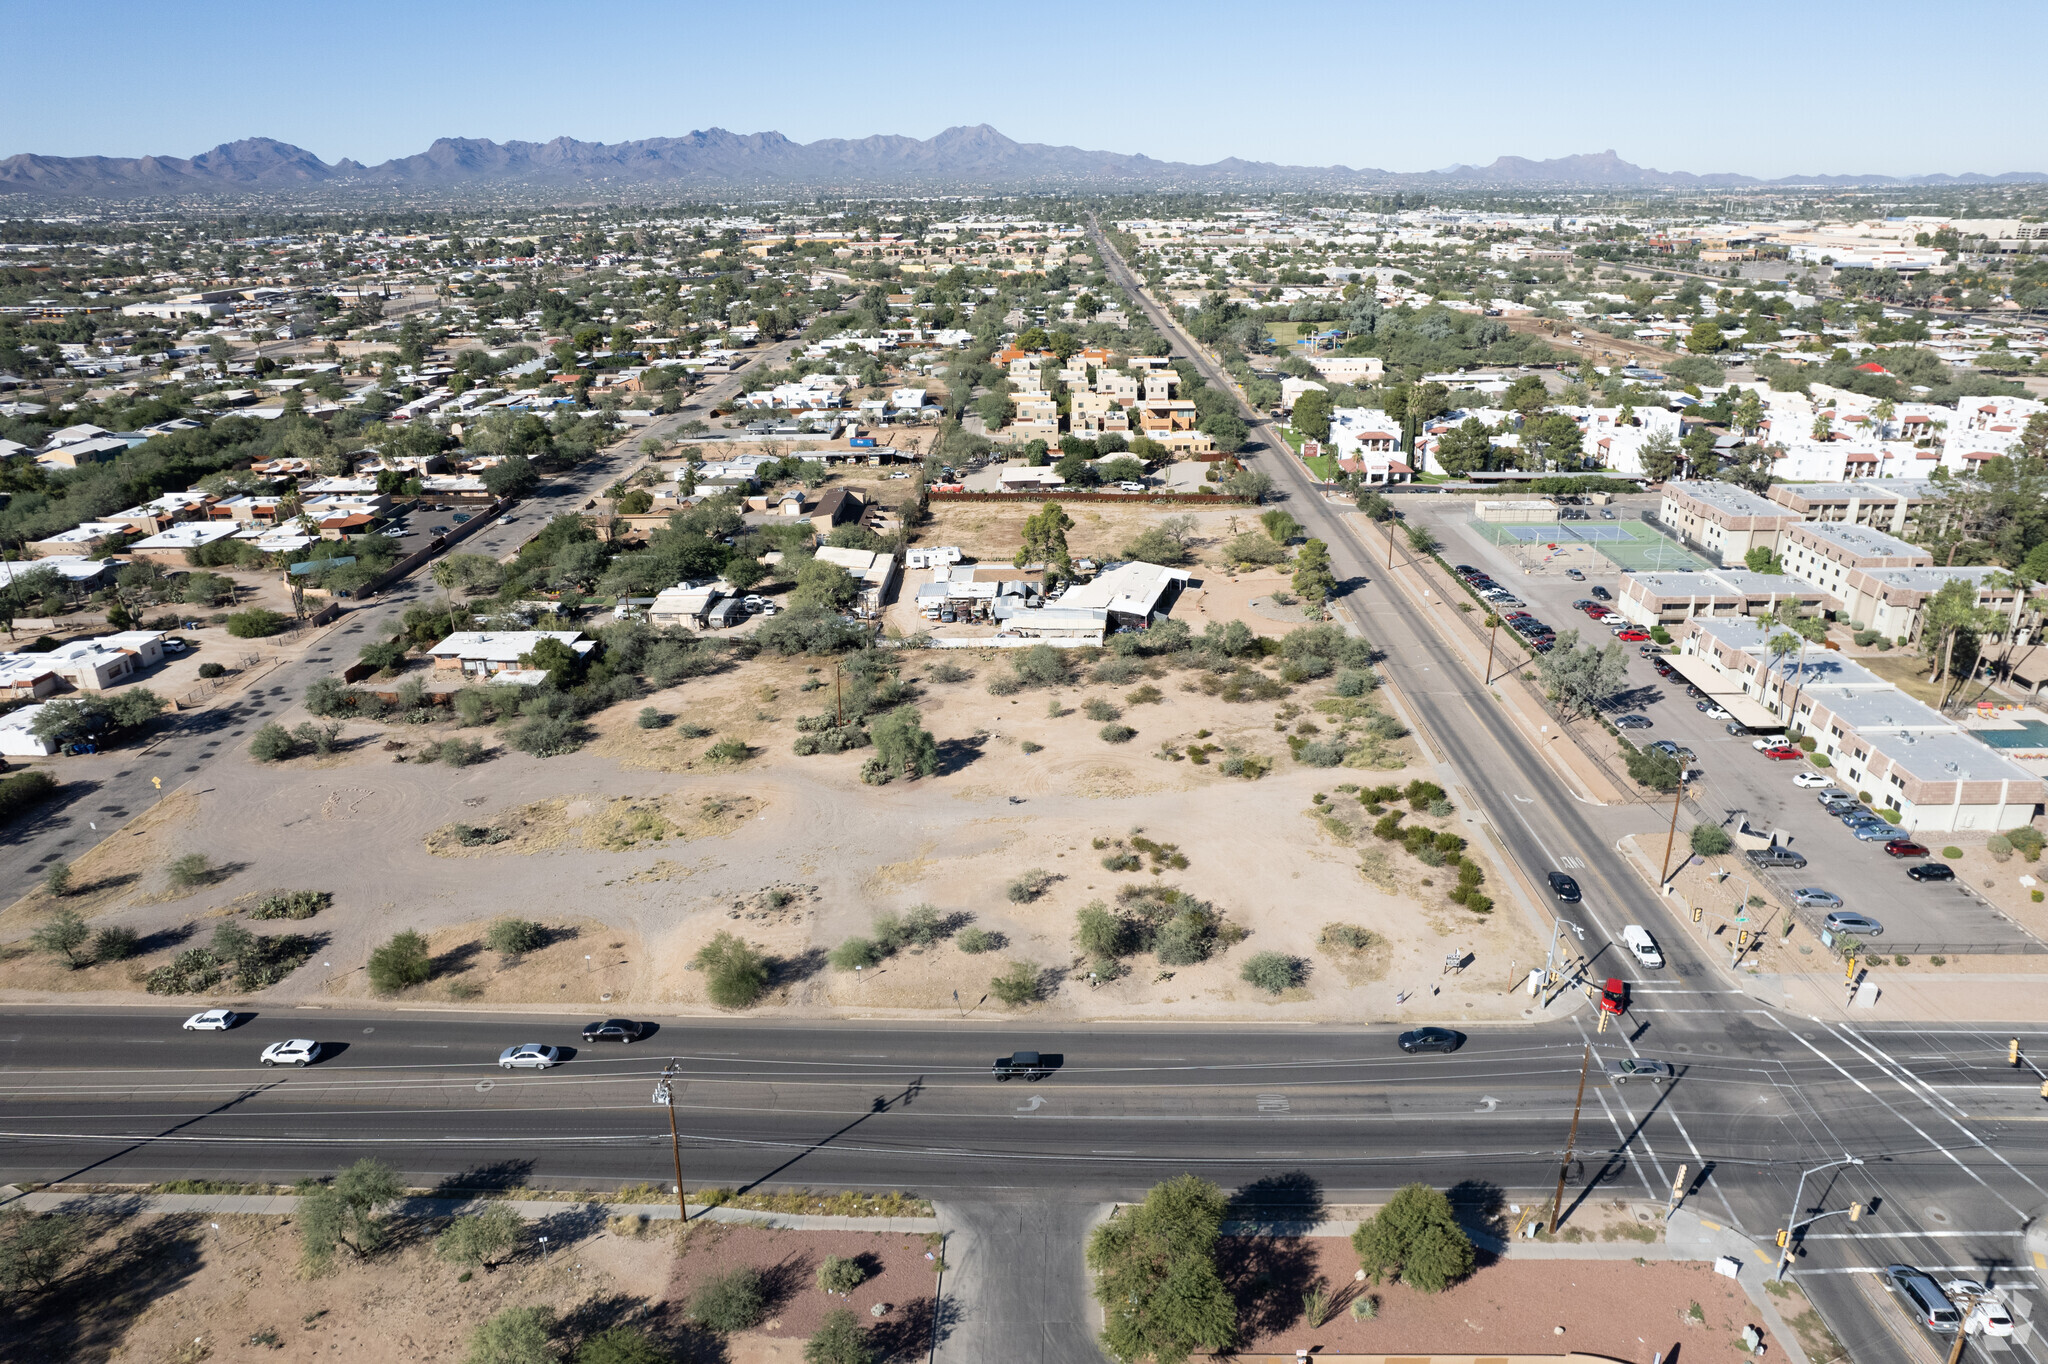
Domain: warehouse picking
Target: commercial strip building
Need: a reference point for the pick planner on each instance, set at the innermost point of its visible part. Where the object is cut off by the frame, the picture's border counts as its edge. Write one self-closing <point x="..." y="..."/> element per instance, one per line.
<point x="1904" y="755"/>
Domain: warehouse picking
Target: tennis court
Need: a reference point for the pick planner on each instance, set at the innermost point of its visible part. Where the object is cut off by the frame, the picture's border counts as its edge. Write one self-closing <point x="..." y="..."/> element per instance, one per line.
<point x="1626" y="544"/>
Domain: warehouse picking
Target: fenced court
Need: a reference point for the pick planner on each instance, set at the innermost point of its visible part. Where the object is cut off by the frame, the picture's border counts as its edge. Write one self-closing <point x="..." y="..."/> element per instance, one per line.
<point x="1626" y="544"/>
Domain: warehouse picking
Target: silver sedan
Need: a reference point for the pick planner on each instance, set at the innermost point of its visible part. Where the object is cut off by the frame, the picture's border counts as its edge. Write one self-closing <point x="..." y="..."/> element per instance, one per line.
<point x="529" y="1056"/>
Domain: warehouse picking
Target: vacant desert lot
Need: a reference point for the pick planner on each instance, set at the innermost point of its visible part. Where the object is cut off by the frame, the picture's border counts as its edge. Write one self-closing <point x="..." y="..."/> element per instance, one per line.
<point x="636" y="850"/>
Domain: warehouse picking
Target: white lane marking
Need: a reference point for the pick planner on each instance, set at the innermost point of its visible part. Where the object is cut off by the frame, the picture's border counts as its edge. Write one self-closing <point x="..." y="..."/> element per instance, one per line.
<point x="1037" y="1102"/>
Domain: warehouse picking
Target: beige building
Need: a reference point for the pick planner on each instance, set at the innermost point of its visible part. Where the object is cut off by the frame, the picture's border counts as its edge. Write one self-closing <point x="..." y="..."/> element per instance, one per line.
<point x="1722" y="520"/>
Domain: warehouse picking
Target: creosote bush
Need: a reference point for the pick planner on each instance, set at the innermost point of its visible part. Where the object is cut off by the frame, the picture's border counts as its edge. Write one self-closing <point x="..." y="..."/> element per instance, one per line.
<point x="735" y="975"/>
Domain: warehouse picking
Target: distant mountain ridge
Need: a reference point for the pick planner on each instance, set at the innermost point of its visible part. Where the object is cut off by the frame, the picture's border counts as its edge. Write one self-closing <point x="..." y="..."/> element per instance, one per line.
<point x="976" y="157"/>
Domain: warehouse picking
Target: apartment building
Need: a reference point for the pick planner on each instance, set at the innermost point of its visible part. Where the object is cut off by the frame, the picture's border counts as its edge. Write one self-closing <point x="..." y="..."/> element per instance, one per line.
<point x="1825" y="552"/>
<point x="1906" y="756"/>
<point x="1892" y="505"/>
<point x="1721" y="519"/>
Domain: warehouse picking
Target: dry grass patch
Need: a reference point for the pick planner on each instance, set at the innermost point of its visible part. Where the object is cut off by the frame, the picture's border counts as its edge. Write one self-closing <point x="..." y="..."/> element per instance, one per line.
<point x="620" y="824"/>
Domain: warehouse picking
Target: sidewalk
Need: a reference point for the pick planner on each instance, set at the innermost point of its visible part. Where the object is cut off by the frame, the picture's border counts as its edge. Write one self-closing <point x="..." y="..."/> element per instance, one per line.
<point x="534" y="1209"/>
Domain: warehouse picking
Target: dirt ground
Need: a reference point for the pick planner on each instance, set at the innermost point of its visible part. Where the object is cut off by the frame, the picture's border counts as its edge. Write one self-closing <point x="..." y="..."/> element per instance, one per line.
<point x="1623" y="1309"/>
<point x="635" y="850"/>
<point x="175" y="1288"/>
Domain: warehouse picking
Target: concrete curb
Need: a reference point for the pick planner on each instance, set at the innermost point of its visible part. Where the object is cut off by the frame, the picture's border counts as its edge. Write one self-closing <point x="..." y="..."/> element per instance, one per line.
<point x="287" y="1205"/>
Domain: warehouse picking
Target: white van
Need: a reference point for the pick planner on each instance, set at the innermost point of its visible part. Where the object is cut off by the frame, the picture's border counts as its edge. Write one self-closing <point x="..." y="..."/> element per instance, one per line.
<point x="1638" y="940"/>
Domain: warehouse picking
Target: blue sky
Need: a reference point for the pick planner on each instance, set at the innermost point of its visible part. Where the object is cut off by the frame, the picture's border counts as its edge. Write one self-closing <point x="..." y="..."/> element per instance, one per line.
<point x="1793" y="86"/>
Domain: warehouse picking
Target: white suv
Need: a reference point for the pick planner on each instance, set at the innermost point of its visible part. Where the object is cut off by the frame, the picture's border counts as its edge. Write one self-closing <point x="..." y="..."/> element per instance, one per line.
<point x="297" y="1052"/>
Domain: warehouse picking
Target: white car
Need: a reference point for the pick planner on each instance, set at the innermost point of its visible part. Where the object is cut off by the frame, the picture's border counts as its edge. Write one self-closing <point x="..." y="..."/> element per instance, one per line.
<point x="299" y="1051"/>
<point x="213" y="1020"/>
<point x="1987" y="1315"/>
<point x="1713" y="712"/>
<point x="1132" y="487"/>
<point x="529" y="1056"/>
<point x="1811" y="779"/>
<point x="1638" y="940"/>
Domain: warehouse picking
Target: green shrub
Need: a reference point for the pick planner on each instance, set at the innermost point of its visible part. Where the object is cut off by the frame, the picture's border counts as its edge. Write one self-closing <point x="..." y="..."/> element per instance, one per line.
<point x="1952" y="853"/>
<point x="517" y="1335"/>
<point x="736" y="1301"/>
<point x="1710" y="840"/>
<point x="735" y="975"/>
<point x="857" y="953"/>
<point x="1272" y="971"/>
<point x="650" y="718"/>
<point x="515" y="937"/>
<point x="1807" y="743"/>
<point x="1116" y="734"/>
<point x="24" y="791"/>
<point x="63" y="934"/>
<point x="402" y="961"/>
<point x="839" y="1340"/>
<point x="209" y="671"/>
<point x="975" y="941"/>
<point x="2026" y="840"/>
<point x="291" y="904"/>
<point x="728" y="751"/>
<point x="2000" y="848"/>
<point x="1017" y="985"/>
<point x="256" y="623"/>
<point x="1821" y="760"/>
<point x="548" y="736"/>
<point x="1100" y="932"/>
<point x="1097" y="709"/>
<point x="191" y="870"/>
<point x="115" y="944"/>
<point x="1029" y="886"/>
<point x="841" y="1274"/>
<point x="1340" y="937"/>
<point x="272" y="743"/>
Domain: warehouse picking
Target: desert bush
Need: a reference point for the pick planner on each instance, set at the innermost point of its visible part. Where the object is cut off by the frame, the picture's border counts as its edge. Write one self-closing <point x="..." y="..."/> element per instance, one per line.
<point x="728" y="751"/>
<point x="191" y="870"/>
<point x="402" y="961"/>
<point x="2026" y="841"/>
<point x="1017" y="985"/>
<point x="515" y="937"/>
<point x="2000" y="848"/>
<point x="857" y="953"/>
<point x="974" y="941"/>
<point x="291" y="904"/>
<point x="256" y="623"/>
<point x="735" y="975"/>
<point x="63" y="934"/>
<point x="1116" y="734"/>
<point x="1099" y="710"/>
<point x="1029" y="886"/>
<point x="1272" y="971"/>
<point x="650" y="718"/>
<point x="841" y="1274"/>
<point x="115" y="944"/>
<point x="272" y="743"/>
<point x="209" y="671"/>
<point x="948" y="672"/>
<point x="1710" y="840"/>
<point x="1417" y="1237"/>
<point x="486" y="1237"/>
<point x="735" y="1301"/>
<point x="1341" y="937"/>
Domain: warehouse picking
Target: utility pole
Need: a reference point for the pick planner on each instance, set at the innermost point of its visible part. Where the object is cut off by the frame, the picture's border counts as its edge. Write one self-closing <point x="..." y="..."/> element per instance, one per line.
<point x="1671" y="834"/>
<point x="1492" y="633"/>
<point x="1571" y="1142"/>
<point x="1390" y="542"/>
<point x="664" y="1094"/>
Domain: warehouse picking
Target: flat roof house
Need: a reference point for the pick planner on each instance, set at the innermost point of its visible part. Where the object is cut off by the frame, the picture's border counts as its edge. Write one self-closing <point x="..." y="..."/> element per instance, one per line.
<point x="1130" y="593"/>
<point x="168" y="545"/>
<point x="1721" y="519"/>
<point x="98" y="663"/>
<point x="481" y="653"/>
<point x="875" y="573"/>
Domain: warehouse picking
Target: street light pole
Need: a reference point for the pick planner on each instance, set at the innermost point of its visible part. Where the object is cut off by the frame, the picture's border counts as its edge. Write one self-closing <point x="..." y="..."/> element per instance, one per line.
<point x="1792" y="1223"/>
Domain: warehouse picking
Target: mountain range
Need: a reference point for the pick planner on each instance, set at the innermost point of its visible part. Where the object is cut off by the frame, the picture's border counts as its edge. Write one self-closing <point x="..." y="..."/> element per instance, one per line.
<point x="976" y="158"/>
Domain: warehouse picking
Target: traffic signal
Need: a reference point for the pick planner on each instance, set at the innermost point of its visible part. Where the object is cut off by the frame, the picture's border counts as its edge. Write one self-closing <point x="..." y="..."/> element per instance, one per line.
<point x="1698" y="913"/>
<point x="2012" y="1052"/>
<point x="1742" y="937"/>
<point x="1604" y="1016"/>
<point x="1849" y="967"/>
<point x="1783" y="1237"/>
<point x="1855" y="1212"/>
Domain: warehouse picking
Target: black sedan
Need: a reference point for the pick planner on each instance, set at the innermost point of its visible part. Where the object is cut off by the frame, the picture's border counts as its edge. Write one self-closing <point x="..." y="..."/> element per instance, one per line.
<point x="614" y="1030"/>
<point x="1932" y="871"/>
<point x="1431" y="1039"/>
<point x="1564" y="887"/>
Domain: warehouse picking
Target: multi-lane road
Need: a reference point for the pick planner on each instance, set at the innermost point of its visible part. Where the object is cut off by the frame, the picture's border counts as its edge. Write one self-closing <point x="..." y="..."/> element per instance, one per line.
<point x="1963" y="1140"/>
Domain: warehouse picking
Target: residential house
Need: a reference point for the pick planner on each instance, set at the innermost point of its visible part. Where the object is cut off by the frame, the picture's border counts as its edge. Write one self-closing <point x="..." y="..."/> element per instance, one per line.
<point x="875" y="573"/>
<point x="168" y="546"/>
<point x="82" y="539"/>
<point x="837" y="507"/>
<point x="1131" y="594"/>
<point x="89" y="664"/>
<point x="17" y="734"/>
<point x="488" y="653"/>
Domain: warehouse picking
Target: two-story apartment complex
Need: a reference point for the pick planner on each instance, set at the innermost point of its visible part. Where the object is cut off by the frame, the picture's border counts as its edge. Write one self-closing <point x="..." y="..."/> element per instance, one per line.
<point x="1722" y="520"/>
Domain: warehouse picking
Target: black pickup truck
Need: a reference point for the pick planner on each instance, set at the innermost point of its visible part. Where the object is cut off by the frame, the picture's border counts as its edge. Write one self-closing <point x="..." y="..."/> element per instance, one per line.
<point x="1027" y="1064"/>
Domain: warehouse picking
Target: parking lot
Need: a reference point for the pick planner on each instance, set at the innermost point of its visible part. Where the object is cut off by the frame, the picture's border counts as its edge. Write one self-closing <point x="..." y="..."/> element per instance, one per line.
<point x="1736" y="782"/>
